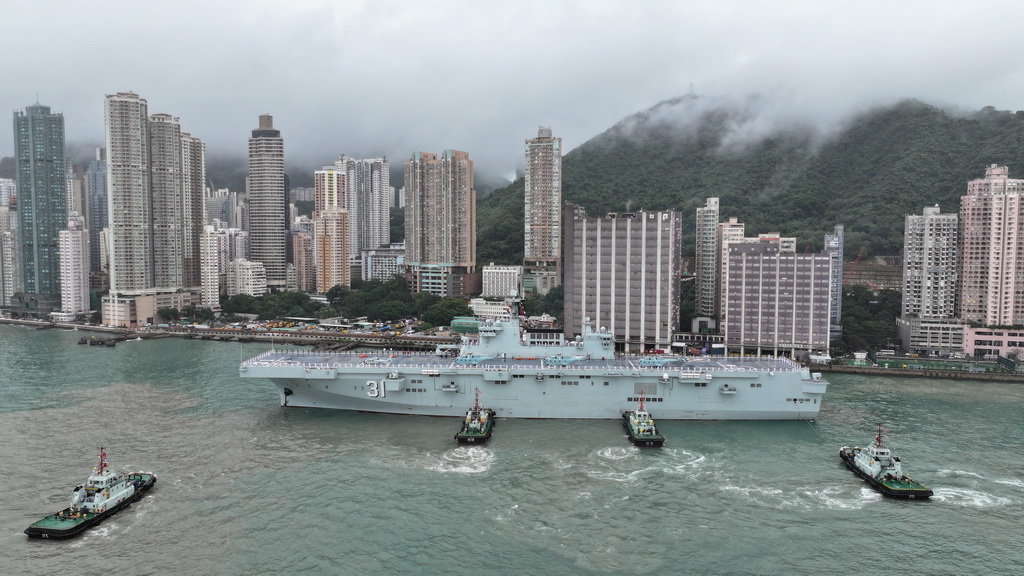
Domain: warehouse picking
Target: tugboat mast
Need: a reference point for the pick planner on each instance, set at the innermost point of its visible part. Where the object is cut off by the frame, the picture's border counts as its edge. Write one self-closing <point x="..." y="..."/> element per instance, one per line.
<point x="103" y="462"/>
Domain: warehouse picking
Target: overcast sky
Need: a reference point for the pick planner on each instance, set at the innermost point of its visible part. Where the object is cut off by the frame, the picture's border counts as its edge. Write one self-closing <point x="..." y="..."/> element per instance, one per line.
<point x="365" y="78"/>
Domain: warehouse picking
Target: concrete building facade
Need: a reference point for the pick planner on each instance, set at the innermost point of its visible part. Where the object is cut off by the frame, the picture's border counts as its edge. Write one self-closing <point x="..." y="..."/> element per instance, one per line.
<point x="778" y="301"/>
<point x="42" y="189"/>
<point x="440" y="224"/>
<point x="74" y="267"/>
<point x="706" y="261"/>
<point x="991" y="266"/>
<point x="499" y="281"/>
<point x="931" y="247"/>
<point x="267" y="201"/>
<point x="330" y="241"/>
<point x="623" y="271"/>
<point x="542" y="247"/>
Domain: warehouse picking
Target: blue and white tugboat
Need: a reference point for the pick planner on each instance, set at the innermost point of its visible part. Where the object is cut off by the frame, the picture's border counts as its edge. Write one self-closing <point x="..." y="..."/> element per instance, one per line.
<point x="882" y="469"/>
<point x="104" y="494"/>
<point x="640" y="427"/>
<point x="479" y="424"/>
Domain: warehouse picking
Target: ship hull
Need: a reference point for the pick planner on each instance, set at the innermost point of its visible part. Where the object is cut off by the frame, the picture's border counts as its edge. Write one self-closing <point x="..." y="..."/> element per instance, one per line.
<point x="52" y="528"/>
<point x="425" y="384"/>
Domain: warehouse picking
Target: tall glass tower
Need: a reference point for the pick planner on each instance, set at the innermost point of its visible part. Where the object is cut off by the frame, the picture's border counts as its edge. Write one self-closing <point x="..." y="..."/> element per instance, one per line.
<point x="42" y="205"/>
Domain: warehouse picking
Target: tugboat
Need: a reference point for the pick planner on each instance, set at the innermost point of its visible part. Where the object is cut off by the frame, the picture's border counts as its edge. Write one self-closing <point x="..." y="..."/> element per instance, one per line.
<point x="640" y="427"/>
<point x="882" y="469"/>
<point x="478" y="425"/>
<point x="104" y="494"/>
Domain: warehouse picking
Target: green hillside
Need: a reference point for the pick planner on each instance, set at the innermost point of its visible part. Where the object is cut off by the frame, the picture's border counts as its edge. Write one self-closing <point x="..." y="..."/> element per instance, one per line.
<point x="867" y="176"/>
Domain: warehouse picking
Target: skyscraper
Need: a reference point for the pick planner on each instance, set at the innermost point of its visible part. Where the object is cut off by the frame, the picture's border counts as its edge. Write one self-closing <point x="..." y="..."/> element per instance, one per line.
<point x="361" y="187"/>
<point x="96" y="218"/>
<point x="331" y="249"/>
<point x="542" y="247"/>
<point x="991" y="273"/>
<point x="42" y="190"/>
<point x="623" y="271"/>
<point x="154" y="176"/>
<point x="706" y="262"/>
<point x="193" y="186"/>
<point x="834" y="247"/>
<point x="128" y="193"/>
<point x="167" y="202"/>
<point x="440" y="224"/>
<point x="265" y="187"/>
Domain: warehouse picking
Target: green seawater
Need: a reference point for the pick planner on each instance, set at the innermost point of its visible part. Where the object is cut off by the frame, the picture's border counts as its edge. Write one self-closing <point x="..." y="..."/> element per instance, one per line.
<point x="248" y="487"/>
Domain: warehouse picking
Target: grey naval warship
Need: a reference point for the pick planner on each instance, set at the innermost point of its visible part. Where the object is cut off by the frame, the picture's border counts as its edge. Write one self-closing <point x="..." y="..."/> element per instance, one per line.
<point x="526" y="374"/>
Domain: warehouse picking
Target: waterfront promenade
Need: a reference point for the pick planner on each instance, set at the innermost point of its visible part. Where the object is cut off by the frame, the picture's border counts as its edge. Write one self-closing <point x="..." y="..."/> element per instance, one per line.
<point x="324" y="338"/>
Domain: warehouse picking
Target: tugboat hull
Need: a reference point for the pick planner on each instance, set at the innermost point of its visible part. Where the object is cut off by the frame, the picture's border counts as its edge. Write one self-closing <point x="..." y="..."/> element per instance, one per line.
<point x="654" y="439"/>
<point x="892" y="488"/>
<point x="61" y="525"/>
<point x="467" y="436"/>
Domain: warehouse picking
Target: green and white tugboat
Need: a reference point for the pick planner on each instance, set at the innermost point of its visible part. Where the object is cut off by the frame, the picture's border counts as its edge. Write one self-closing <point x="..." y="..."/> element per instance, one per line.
<point x="882" y="469"/>
<point x="104" y="494"/>
<point x="640" y="427"/>
<point x="479" y="424"/>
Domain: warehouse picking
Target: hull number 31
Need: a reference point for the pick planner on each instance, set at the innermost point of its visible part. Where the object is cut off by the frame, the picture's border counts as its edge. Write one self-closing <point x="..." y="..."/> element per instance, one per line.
<point x="376" y="389"/>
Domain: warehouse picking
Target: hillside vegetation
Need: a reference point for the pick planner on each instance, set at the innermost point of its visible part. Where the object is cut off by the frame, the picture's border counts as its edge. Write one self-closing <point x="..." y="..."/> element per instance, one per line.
<point x="866" y="175"/>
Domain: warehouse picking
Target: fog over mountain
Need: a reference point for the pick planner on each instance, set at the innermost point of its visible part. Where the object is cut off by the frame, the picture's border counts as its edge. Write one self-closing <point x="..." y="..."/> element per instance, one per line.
<point x="388" y="77"/>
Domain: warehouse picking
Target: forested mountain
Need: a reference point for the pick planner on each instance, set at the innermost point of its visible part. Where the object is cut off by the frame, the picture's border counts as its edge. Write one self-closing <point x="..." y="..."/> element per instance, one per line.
<point x="796" y="179"/>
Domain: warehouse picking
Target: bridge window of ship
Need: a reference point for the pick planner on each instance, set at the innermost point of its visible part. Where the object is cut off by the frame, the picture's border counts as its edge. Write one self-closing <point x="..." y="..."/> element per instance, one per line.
<point x="700" y="384"/>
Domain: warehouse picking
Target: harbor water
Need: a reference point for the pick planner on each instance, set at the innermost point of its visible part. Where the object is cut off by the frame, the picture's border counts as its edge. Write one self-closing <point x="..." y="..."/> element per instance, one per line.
<point x="248" y="487"/>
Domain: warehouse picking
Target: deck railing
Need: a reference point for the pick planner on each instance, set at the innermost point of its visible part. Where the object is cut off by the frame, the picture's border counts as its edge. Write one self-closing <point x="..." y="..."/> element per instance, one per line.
<point x="400" y="360"/>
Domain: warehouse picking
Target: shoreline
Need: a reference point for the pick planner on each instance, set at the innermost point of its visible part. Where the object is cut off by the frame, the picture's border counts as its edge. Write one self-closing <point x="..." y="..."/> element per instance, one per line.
<point x="935" y="374"/>
<point x="328" y="340"/>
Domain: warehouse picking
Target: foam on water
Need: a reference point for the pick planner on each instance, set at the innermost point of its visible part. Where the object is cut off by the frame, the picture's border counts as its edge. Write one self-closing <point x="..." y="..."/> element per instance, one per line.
<point x="971" y="498"/>
<point x="462" y="460"/>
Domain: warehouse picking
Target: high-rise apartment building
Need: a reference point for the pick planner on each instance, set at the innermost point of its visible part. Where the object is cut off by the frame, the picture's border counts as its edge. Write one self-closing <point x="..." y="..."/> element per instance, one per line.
<point x="193" y="188"/>
<point x="542" y="247"/>
<point x="331" y="249"/>
<point x="728" y="232"/>
<point x="361" y="187"/>
<point x="267" y="201"/>
<point x="130" y="206"/>
<point x="8" y="191"/>
<point x="97" y="215"/>
<point x="440" y="224"/>
<point x="834" y="248"/>
<point x="991" y="272"/>
<point x="384" y="263"/>
<point x="623" y="272"/>
<point x="42" y="190"/>
<point x="154" y="198"/>
<point x="74" y="267"/>
<point x="168" y="218"/>
<point x="302" y="258"/>
<point x="9" y="276"/>
<point x="246" y="277"/>
<point x="209" y="268"/>
<point x="930" y="250"/>
<point x="706" y="261"/>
